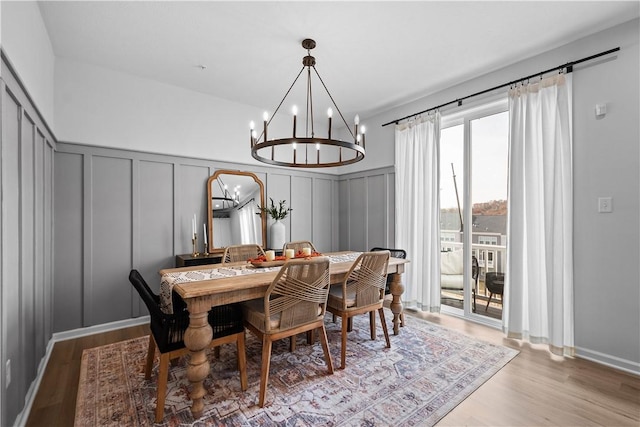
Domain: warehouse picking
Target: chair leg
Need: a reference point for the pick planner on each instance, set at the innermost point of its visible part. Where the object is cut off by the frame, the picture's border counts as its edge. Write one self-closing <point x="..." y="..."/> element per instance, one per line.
<point x="372" y="324"/>
<point x="384" y="326"/>
<point x="242" y="361"/>
<point x="350" y="324"/>
<point x="163" y="377"/>
<point x="150" y="356"/>
<point x="264" y="374"/>
<point x="343" y="347"/>
<point x="325" y="347"/>
<point x="216" y="352"/>
<point x="402" y="318"/>
<point x="292" y="343"/>
<point x="488" y="301"/>
<point x="311" y="337"/>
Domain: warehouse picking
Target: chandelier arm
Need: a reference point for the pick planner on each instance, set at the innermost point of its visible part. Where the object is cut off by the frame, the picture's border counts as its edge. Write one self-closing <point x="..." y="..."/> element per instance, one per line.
<point x="283" y="98"/>
<point x="313" y="134"/>
<point x="334" y="103"/>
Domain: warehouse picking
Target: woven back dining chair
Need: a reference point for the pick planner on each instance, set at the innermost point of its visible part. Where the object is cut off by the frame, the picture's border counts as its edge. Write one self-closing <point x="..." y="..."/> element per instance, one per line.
<point x="237" y="253"/>
<point x="297" y="246"/>
<point x="362" y="291"/>
<point x="167" y="334"/>
<point x="295" y="302"/>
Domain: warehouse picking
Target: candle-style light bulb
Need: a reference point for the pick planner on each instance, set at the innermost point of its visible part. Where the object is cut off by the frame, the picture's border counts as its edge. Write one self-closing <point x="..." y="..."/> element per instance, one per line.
<point x="356" y="120"/>
<point x="252" y="125"/>
<point x="252" y="132"/>
<point x="265" y="117"/>
<point x="329" y="114"/>
<point x="363" y="130"/>
<point x="294" y="110"/>
<point x="317" y="145"/>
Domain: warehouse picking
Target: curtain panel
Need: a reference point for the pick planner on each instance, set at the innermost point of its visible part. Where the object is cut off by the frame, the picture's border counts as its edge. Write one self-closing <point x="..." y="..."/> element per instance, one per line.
<point x="539" y="274"/>
<point x="417" y="208"/>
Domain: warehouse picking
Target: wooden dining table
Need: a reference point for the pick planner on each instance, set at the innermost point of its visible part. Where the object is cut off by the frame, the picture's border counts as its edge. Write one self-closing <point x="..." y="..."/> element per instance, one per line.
<point x="200" y="294"/>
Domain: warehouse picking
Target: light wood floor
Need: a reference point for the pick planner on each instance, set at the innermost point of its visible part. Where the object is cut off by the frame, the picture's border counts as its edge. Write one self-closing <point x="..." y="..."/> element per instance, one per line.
<point x="534" y="389"/>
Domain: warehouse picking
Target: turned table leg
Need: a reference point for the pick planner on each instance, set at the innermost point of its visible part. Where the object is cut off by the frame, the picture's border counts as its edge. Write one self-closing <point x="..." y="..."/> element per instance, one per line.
<point x="397" y="289"/>
<point x="197" y="337"/>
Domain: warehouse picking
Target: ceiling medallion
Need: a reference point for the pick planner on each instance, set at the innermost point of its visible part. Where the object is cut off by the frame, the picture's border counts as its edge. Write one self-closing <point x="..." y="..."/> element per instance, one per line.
<point x="308" y="151"/>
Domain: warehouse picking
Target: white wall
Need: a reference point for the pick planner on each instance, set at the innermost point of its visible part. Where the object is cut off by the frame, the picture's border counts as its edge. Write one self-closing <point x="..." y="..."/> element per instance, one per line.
<point x="26" y="42"/>
<point x="106" y="108"/>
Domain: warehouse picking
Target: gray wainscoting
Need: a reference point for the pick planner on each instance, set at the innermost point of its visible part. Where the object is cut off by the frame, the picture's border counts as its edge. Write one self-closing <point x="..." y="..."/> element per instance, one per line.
<point x="118" y="209"/>
<point x="26" y="171"/>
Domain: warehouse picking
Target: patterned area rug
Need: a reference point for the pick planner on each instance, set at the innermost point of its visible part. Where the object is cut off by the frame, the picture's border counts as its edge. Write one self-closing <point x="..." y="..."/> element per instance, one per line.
<point x="427" y="372"/>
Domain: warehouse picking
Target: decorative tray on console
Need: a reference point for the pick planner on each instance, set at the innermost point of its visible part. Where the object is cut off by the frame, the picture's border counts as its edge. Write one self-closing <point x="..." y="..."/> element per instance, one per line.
<point x="261" y="261"/>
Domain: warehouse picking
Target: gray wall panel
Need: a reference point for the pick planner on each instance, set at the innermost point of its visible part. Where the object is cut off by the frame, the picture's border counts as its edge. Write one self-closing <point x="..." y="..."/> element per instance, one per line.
<point x="11" y="318"/>
<point x="191" y="198"/>
<point x="343" y="215"/>
<point x="68" y="262"/>
<point x="376" y="219"/>
<point x="367" y="209"/>
<point x="302" y="204"/>
<point x="155" y="219"/>
<point x="357" y="214"/>
<point x="111" y="229"/>
<point x="27" y="214"/>
<point x="322" y="214"/>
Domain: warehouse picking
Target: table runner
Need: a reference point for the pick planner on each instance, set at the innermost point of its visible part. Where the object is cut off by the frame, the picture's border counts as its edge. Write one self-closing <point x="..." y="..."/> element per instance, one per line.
<point x="169" y="280"/>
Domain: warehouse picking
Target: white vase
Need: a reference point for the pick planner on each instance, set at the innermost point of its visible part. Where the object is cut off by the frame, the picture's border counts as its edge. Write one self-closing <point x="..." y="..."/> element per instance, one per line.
<point x="276" y="235"/>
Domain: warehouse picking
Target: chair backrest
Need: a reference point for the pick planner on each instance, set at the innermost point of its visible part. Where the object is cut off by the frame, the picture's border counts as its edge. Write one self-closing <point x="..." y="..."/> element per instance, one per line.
<point x="490" y="280"/>
<point x="299" y="245"/>
<point x="366" y="279"/>
<point x="237" y="253"/>
<point x="396" y="253"/>
<point x="150" y="299"/>
<point x="298" y="294"/>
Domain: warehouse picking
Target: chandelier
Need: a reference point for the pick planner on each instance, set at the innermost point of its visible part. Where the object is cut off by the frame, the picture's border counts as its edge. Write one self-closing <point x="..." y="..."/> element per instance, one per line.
<point x="308" y="151"/>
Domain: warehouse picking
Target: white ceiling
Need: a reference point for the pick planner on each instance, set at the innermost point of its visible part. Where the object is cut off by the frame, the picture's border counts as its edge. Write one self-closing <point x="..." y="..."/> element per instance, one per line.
<point x="371" y="55"/>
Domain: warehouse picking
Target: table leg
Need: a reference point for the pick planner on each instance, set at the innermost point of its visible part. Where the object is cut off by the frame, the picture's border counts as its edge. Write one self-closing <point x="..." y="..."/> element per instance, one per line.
<point x="397" y="289"/>
<point x="196" y="338"/>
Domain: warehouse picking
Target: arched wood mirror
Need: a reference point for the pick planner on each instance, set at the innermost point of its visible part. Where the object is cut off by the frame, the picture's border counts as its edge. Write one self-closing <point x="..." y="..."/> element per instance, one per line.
<point x="233" y="198"/>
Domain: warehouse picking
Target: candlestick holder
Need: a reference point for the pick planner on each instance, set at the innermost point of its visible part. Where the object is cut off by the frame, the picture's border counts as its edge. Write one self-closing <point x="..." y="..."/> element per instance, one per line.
<point x="194" y="243"/>
<point x="206" y="249"/>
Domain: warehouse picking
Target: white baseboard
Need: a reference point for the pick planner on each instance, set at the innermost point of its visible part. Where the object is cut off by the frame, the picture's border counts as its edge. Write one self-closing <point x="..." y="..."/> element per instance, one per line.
<point x="612" y="361"/>
<point x="105" y="327"/>
<point x="23" y="416"/>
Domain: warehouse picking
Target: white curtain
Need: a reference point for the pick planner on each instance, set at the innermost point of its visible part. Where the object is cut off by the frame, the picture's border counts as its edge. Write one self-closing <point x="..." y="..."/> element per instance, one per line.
<point x="417" y="209"/>
<point x="539" y="274"/>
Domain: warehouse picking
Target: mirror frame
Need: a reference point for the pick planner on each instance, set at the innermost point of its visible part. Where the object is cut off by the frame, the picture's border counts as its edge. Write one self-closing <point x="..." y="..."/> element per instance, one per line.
<point x="210" y="181"/>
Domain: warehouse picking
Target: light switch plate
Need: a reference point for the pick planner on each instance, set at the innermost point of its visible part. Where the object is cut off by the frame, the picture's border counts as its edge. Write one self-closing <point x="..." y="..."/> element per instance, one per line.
<point x="605" y="204"/>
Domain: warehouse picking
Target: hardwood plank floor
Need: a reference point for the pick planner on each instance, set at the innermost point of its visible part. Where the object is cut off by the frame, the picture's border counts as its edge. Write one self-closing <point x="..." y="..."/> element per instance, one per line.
<point x="534" y="389"/>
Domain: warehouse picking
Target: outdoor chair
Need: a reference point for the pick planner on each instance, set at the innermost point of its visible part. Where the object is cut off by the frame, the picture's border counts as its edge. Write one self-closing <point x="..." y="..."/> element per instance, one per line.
<point x="494" y="281"/>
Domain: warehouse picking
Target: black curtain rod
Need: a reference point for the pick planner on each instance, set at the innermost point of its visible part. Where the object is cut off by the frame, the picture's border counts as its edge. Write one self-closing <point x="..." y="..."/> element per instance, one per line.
<point x="568" y="66"/>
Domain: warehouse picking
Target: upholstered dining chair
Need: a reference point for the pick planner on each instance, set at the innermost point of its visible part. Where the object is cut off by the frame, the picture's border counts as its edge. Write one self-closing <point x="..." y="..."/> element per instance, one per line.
<point x="167" y="334"/>
<point x="362" y="291"/>
<point x="236" y="253"/>
<point x="295" y="302"/>
<point x="396" y="253"/>
<point x="297" y="246"/>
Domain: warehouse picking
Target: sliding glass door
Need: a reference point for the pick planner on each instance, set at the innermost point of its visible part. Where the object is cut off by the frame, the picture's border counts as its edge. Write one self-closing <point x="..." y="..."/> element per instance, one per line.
<point x="473" y="210"/>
